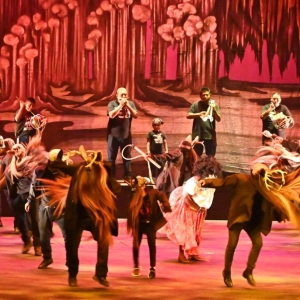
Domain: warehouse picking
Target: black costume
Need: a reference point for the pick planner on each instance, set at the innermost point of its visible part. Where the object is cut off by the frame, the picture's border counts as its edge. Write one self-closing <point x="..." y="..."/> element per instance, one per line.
<point x="84" y="184"/>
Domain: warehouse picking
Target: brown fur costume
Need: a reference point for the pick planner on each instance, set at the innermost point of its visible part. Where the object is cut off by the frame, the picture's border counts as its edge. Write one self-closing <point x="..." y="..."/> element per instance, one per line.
<point x="89" y="205"/>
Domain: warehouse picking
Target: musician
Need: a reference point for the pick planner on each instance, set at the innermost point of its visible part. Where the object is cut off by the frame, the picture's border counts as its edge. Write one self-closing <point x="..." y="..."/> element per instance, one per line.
<point x="204" y="114"/>
<point x="24" y="130"/>
<point x="276" y="118"/>
<point x="120" y="112"/>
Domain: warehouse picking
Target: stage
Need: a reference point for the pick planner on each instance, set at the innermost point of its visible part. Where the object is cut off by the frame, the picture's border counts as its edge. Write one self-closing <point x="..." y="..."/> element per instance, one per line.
<point x="277" y="273"/>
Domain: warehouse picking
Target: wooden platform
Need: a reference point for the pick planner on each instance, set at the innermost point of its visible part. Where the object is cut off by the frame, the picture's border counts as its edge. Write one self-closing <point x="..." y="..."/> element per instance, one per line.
<point x="277" y="272"/>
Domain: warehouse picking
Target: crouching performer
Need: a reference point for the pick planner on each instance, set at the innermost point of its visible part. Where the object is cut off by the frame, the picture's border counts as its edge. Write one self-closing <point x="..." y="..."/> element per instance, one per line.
<point x="89" y="205"/>
<point x="257" y="199"/>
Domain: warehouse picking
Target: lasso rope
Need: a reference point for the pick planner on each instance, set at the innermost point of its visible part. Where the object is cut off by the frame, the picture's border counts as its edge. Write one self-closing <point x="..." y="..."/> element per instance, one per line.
<point x="149" y="159"/>
<point x="145" y="156"/>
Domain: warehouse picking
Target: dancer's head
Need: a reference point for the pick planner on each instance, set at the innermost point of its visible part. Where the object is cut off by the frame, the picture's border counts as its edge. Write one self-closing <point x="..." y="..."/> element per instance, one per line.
<point x="207" y="166"/>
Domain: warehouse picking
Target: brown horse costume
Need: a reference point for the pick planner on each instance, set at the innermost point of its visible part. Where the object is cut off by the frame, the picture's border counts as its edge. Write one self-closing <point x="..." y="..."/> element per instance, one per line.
<point x="89" y="205"/>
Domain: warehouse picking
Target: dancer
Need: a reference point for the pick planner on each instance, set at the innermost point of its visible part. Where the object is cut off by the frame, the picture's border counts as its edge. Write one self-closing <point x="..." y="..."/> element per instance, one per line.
<point x="179" y="166"/>
<point x="145" y="217"/>
<point x="46" y="217"/>
<point x="189" y="208"/>
<point x="6" y="155"/>
<point x="89" y="205"/>
<point x="19" y="175"/>
<point x="256" y="200"/>
<point x="275" y="141"/>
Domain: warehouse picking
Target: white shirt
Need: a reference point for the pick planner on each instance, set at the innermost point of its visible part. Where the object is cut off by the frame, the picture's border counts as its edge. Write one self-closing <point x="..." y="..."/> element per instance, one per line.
<point x="202" y="196"/>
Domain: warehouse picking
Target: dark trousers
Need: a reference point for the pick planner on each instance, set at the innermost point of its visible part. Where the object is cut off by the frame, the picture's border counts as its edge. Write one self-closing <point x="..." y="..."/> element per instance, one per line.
<point x="210" y="148"/>
<point x="73" y="238"/>
<point x="23" y="139"/>
<point x="113" y="146"/>
<point x="45" y="228"/>
<point x="155" y="171"/>
<point x="27" y="221"/>
<point x="145" y="228"/>
<point x="234" y="234"/>
<point x="4" y="198"/>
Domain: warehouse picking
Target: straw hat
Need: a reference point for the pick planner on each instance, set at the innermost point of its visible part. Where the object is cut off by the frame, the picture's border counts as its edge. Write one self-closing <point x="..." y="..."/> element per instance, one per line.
<point x="56" y="154"/>
<point x="142" y="180"/>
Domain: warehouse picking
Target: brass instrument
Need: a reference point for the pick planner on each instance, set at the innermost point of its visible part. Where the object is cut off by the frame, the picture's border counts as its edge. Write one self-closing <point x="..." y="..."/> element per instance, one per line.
<point x="38" y="122"/>
<point x="282" y="121"/>
<point x="209" y="112"/>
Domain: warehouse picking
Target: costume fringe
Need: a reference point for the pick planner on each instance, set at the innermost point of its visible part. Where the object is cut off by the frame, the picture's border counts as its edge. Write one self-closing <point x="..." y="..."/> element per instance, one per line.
<point x="92" y="190"/>
<point x="133" y="213"/>
<point x="282" y="193"/>
<point x="57" y="192"/>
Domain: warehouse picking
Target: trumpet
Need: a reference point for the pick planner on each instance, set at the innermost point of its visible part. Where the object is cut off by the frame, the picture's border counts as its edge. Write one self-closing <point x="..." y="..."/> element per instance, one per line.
<point x="209" y="112"/>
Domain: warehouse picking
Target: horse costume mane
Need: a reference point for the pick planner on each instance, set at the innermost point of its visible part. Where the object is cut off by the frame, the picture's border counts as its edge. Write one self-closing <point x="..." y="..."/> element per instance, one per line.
<point x="88" y="185"/>
<point x="282" y="190"/>
<point x="34" y="155"/>
<point x="136" y="202"/>
<point x="277" y="157"/>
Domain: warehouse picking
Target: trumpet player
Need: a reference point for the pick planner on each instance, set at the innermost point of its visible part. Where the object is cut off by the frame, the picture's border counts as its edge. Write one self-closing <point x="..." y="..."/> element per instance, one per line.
<point x="205" y="113"/>
<point x="276" y="118"/>
<point x="120" y="111"/>
<point x="24" y="130"/>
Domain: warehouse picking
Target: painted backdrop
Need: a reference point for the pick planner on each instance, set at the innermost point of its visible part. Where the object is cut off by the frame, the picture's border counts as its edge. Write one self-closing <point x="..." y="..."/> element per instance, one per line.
<point x="73" y="55"/>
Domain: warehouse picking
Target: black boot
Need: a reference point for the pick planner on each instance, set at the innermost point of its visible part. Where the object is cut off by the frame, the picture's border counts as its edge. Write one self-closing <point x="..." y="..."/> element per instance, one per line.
<point x="249" y="276"/>
<point x="72" y="281"/>
<point x="227" y="278"/>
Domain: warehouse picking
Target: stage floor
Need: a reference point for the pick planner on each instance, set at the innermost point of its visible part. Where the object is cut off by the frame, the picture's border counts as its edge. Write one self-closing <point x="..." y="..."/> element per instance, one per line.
<point x="277" y="272"/>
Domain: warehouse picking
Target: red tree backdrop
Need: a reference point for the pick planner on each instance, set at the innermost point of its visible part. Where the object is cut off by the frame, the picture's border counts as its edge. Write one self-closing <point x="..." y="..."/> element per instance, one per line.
<point x="72" y="55"/>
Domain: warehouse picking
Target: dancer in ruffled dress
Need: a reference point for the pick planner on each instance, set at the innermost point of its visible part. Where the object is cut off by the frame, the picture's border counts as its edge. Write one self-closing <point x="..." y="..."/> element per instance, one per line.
<point x="189" y="205"/>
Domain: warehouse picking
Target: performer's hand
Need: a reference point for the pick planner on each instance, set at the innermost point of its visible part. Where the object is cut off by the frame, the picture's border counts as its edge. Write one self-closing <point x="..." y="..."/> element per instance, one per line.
<point x="123" y="102"/>
<point x="212" y="104"/>
<point x="27" y="206"/>
<point x="257" y="168"/>
<point x="201" y="182"/>
<point x="283" y="123"/>
<point x="22" y="104"/>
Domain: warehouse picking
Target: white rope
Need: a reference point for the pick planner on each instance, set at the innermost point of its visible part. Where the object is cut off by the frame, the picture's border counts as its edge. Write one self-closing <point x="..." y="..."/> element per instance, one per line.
<point x="145" y="156"/>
